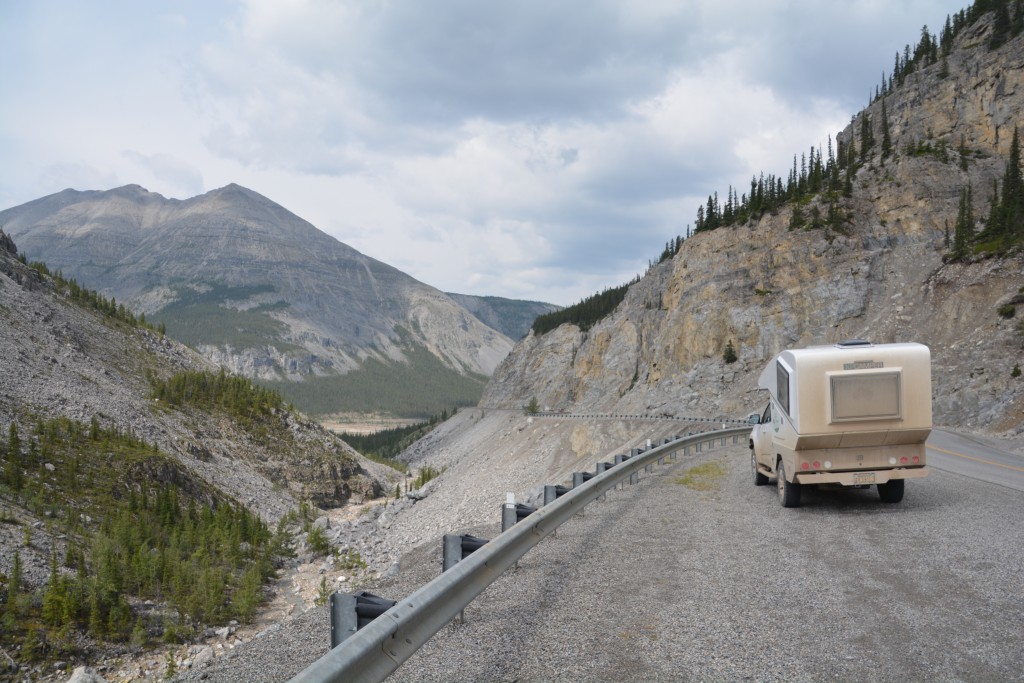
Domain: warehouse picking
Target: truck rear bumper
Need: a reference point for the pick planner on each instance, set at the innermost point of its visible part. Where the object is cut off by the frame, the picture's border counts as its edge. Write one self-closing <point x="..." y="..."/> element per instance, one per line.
<point x="862" y="477"/>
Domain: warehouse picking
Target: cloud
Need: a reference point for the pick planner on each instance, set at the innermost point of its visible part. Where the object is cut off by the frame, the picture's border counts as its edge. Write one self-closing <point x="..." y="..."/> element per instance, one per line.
<point x="76" y="176"/>
<point x="529" y="148"/>
<point x="184" y="177"/>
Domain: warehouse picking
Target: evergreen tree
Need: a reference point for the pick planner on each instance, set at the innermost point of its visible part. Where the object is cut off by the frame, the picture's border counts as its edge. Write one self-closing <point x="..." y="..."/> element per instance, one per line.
<point x="729" y="355"/>
<point x="867" y="137"/>
<point x="1001" y="25"/>
<point x="963" y="231"/>
<point x="886" y="136"/>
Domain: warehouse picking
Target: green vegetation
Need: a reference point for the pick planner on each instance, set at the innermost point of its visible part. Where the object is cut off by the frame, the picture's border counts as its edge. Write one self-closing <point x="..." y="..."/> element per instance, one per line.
<point x="729" y="355"/>
<point x="426" y="474"/>
<point x="88" y="298"/>
<point x="123" y="540"/>
<point x="1007" y="311"/>
<point x="249" y="404"/>
<point x="387" y="443"/>
<point x="704" y="477"/>
<point x="415" y="389"/>
<point x="205" y="317"/>
<point x="1016" y="371"/>
<point x="532" y="408"/>
<point x="1004" y="227"/>
<point x="587" y="312"/>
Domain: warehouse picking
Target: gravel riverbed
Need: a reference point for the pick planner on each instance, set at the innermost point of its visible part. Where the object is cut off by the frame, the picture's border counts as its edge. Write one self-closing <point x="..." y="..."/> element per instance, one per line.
<point x="666" y="582"/>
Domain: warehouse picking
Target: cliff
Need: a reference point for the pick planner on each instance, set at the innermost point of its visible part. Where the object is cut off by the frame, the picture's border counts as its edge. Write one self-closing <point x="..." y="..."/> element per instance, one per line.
<point x="881" y="276"/>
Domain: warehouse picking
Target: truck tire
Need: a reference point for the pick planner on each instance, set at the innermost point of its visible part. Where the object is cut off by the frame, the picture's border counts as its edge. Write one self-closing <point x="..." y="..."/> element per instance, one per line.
<point x="789" y="491"/>
<point x="759" y="479"/>
<point x="892" y="491"/>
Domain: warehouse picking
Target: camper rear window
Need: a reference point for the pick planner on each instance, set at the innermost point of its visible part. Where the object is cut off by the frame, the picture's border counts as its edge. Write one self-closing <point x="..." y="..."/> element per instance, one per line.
<point x="870" y="396"/>
<point x="782" y="386"/>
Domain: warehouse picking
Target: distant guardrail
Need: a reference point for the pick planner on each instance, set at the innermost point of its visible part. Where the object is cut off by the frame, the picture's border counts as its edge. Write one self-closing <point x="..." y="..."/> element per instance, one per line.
<point x="379" y="648"/>
<point x="640" y="418"/>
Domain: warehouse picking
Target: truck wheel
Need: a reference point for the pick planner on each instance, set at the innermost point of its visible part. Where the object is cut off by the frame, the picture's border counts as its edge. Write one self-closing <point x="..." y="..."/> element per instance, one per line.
<point x="759" y="479"/>
<point x="789" y="492"/>
<point x="892" y="491"/>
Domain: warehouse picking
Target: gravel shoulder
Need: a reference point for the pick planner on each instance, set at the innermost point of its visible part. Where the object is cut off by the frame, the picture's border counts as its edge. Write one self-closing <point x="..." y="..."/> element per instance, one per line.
<point x="662" y="582"/>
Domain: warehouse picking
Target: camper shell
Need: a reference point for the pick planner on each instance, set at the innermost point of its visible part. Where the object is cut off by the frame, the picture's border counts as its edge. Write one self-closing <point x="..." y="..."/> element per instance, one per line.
<point x="852" y="414"/>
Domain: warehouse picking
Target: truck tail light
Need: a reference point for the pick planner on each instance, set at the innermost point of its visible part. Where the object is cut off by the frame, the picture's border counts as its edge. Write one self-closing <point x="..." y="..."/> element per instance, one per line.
<point x="892" y="461"/>
<point x="917" y="459"/>
<point x="903" y="460"/>
<point x="805" y="466"/>
<point x="817" y="465"/>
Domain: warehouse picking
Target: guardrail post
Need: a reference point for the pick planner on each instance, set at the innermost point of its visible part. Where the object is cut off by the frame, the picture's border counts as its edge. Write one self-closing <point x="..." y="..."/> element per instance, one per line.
<point x="453" y="549"/>
<point x="349" y="613"/>
<point x="578" y="479"/>
<point x="508" y="513"/>
<point x="552" y="492"/>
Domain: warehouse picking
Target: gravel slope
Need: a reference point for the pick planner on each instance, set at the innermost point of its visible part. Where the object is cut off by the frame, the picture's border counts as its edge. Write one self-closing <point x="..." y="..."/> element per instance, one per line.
<point x="664" y="582"/>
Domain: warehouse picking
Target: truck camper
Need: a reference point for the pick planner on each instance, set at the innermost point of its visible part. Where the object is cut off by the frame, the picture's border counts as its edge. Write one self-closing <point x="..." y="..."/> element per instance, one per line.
<point x="851" y="414"/>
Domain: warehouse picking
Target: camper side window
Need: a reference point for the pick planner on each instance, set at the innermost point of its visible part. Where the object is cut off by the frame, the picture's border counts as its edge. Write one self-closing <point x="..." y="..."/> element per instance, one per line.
<point x="782" y="386"/>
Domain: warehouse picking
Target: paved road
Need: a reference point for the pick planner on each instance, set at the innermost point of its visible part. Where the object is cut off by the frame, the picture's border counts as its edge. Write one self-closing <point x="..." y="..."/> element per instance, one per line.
<point x="976" y="457"/>
<point x="664" y="583"/>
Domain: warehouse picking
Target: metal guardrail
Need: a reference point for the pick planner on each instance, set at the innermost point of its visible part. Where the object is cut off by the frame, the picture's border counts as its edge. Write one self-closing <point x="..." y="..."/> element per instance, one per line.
<point x="375" y="651"/>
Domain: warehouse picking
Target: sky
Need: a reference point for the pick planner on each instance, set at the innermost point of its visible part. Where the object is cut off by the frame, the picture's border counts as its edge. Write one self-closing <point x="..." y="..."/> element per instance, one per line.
<point x="536" y="149"/>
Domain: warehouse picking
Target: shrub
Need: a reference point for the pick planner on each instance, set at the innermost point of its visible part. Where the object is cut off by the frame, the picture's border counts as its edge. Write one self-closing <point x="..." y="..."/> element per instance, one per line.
<point x="1016" y="370"/>
<point x="729" y="356"/>
<point x="317" y="540"/>
<point x="1007" y="311"/>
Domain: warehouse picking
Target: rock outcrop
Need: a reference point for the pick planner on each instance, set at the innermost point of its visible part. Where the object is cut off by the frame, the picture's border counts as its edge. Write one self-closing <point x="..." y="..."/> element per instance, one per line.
<point x="765" y="287"/>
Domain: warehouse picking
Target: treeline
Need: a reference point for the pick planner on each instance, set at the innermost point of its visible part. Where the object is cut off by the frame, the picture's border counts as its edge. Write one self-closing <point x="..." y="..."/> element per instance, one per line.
<point x="204" y="557"/>
<point x="587" y="312"/>
<point x="88" y="298"/>
<point x="246" y="401"/>
<point x="1008" y="22"/>
<point x="830" y="175"/>
<point x="387" y="443"/>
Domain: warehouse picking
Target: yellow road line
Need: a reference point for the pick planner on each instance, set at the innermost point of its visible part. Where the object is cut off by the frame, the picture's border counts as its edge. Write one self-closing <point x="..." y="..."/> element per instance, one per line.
<point x="970" y="457"/>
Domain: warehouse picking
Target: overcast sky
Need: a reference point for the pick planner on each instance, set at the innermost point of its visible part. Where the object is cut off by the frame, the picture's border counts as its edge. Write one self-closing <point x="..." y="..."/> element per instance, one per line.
<point x="536" y="149"/>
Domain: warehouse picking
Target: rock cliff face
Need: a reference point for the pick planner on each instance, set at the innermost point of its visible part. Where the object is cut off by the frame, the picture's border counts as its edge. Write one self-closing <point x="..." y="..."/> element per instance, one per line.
<point x="766" y="288"/>
<point x="253" y="286"/>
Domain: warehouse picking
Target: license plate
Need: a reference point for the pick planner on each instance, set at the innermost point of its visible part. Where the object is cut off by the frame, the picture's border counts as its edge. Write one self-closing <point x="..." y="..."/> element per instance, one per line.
<point x="864" y="478"/>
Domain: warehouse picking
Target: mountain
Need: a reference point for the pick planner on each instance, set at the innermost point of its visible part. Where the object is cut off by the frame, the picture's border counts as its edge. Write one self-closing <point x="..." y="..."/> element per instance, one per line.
<point x="264" y="293"/>
<point x="115" y="437"/>
<point x="511" y="317"/>
<point x="878" y="264"/>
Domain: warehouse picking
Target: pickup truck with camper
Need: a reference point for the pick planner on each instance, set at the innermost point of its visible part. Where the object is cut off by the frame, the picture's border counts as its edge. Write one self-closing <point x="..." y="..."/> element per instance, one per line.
<point x="849" y="414"/>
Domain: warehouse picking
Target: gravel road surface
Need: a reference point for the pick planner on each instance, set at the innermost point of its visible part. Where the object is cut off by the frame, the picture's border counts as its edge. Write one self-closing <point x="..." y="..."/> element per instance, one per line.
<point x="664" y="582"/>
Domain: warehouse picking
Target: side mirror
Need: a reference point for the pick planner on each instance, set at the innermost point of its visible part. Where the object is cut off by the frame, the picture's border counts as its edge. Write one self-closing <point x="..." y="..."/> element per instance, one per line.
<point x="754" y="418"/>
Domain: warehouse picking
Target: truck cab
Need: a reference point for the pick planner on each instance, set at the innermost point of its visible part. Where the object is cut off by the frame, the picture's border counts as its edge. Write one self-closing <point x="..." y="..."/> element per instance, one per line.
<point x="850" y="414"/>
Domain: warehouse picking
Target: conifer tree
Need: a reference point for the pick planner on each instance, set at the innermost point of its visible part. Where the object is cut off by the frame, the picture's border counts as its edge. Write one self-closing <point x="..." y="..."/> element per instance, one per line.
<point x="1001" y="25"/>
<point x="886" y="136"/>
<point x="963" y="232"/>
<point x="867" y="137"/>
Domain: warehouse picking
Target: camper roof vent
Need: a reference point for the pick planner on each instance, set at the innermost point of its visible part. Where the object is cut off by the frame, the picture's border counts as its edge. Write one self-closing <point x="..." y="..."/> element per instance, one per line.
<point x="853" y="343"/>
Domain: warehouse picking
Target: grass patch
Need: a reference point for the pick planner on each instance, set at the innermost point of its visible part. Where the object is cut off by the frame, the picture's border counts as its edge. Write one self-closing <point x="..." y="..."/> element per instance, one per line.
<point x="703" y="477"/>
